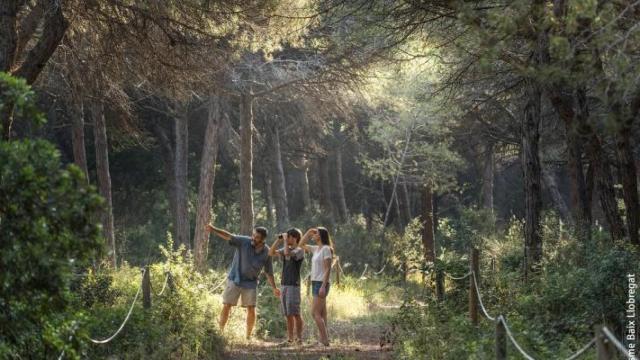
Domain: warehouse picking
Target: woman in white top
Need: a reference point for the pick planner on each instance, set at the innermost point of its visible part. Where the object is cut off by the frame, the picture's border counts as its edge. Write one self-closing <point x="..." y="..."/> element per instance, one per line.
<point x="320" y="273"/>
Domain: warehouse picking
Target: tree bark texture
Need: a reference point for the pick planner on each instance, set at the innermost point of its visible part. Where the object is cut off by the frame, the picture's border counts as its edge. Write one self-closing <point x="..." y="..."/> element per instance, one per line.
<point x="488" y="178"/>
<point x="428" y="231"/>
<point x="246" y="164"/>
<point x="532" y="176"/>
<point x="279" y="181"/>
<point x="181" y="225"/>
<point x="77" y="137"/>
<point x="205" y="187"/>
<point x="104" y="178"/>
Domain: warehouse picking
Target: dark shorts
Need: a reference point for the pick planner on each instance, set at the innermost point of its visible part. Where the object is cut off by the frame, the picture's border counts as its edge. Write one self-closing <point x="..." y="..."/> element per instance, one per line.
<point x="290" y="300"/>
<point x="315" y="288"/>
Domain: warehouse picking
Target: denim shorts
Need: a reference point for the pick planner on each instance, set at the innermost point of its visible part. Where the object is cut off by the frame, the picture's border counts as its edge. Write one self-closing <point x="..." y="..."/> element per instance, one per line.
<point x="315" y="288"/>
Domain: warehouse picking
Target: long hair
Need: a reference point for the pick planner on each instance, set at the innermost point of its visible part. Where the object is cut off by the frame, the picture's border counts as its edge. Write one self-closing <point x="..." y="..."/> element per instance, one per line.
<point x="325" y="239"/>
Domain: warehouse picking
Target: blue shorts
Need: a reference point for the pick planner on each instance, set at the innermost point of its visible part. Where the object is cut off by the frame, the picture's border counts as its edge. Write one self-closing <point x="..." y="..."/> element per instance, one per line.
<point x="315" y="288"/>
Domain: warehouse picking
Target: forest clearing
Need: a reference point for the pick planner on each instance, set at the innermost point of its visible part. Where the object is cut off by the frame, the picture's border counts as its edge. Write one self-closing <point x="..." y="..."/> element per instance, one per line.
<point x="319" y="179"/>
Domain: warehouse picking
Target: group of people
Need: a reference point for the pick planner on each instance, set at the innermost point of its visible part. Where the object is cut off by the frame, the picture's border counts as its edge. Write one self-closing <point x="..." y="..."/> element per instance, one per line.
<point x="252" y="256"/>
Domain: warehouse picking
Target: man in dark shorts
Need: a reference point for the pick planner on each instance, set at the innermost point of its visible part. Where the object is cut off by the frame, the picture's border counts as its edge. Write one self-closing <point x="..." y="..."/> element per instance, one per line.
<point x="292" y="257"/>
<point x="251" y="256"/>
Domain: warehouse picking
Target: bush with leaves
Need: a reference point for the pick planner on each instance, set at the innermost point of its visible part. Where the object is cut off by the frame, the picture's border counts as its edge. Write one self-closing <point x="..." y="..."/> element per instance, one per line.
<point x="46" y="231"/>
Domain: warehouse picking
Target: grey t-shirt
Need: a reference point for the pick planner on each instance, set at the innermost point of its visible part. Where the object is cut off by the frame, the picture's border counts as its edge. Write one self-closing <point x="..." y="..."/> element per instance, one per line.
<point x="247" y="263"/>
<point x="291" y="266"/>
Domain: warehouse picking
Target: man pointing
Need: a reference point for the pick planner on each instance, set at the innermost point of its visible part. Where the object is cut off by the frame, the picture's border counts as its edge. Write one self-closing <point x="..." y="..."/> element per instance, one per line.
<point x="251" y="256"/>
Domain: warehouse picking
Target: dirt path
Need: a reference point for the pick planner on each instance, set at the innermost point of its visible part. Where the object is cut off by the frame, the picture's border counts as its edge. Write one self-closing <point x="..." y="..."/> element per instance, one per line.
<point x="349" y="341"/>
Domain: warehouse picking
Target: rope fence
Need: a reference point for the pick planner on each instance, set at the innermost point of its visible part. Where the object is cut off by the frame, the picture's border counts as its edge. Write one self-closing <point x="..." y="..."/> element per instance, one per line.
<point x="605" y="341"/>
<point x="135" y="298"/>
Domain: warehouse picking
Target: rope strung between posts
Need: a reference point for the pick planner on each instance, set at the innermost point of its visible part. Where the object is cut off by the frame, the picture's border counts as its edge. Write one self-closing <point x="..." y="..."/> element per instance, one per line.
<point x="459" y="277"/>
<point x="582" y="351"/>
<point x="381" y="270"/>
<point x="484" y="310"/>
<point x="609" y="335"/>
<point x="224" y="280"/>
<point x="513" y="340"/>
<point x="125" y="319"/>
<point x="502" y="320"/>
<point x="164" y="286"/>
<point x="366" y="267"/>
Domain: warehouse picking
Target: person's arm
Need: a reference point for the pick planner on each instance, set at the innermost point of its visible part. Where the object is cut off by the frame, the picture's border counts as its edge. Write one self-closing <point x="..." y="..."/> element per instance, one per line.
<point x="272" y="282"/>
<point x="268" y="269"/>
<point x="326" y="262"/>
<point x="305" y="238"/>
<point x="273" y="250"/>
<point x="286" y="251"/>
<point x="223" y="234"/>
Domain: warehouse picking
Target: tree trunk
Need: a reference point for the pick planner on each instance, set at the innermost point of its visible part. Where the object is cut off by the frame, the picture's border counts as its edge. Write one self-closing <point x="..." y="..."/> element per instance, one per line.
<point x="605" y="187"/>
<point x="268" y="193"/>
<point x="168" y="155"/>
<point x="246" y="164"/>
<point x="406" y="202"/>
<point x="104" y="177"/>
<point x="8" y="33"/>
<point x="325" y="187"/>
<point x="428" y="231"/>
<point x="488" y="178"/>
<point x="580" y="195"/>
<point x="182" y="229"/>
<point x="306" y="193"/>
<point x="77" y="137"/>
<point x="279" y="187"/>
<point x="205" y="188"/>
<point x="341" y="200"/>
<point x="629" y="183"/>
<point x="550" y="183"/>
<point x="531" y="177"/>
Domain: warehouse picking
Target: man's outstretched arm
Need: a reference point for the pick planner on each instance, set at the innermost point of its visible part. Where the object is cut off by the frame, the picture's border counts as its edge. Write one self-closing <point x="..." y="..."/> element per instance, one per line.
<point x="223" y="234"/>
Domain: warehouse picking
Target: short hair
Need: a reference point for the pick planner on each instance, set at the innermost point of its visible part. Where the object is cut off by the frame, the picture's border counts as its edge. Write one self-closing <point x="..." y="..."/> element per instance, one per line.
<point x="295" y="233"/>
<point x="262" y="231"/>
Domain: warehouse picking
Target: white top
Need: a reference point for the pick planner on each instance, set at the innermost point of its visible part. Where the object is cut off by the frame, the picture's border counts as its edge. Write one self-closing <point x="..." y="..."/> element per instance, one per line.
<point x="320" y="253"/>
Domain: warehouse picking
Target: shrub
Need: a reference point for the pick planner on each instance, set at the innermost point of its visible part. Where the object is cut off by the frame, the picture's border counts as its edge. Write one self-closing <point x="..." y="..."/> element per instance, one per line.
<point x="46" y="231"/>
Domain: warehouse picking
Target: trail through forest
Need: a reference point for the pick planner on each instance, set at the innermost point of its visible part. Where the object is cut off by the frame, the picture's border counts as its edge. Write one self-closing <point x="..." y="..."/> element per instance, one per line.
<point x="351" y="340"/>
<point x="359" y="334"/>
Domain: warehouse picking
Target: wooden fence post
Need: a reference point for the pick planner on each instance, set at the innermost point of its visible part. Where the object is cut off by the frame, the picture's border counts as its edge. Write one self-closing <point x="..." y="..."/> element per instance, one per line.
<point x="501" y="339"/>
<point x="146" y="288"/>
<point x="603" y="347"/>
<point x="473" y="298"/>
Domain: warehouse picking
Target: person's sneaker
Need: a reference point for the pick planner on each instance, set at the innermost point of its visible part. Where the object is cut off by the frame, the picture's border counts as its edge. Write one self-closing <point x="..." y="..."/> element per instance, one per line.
<point x="298" y="342"/>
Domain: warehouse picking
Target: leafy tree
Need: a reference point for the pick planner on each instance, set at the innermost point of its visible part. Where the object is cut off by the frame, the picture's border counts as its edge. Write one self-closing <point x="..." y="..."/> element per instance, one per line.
<point x="46" y="231"/>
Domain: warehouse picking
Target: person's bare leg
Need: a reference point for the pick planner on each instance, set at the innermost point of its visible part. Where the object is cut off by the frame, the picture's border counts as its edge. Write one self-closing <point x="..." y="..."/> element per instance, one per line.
<point x="290" y="325"/>
<point x="317" y="317"/>
<point x="299" y="326"/>
<point x="251" y="320"/>
<point x="323" y="311"/>
<point x="224" y="316"/>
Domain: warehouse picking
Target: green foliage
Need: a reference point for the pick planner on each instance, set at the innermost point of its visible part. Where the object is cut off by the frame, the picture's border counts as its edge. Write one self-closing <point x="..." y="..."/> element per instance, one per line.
<point x="46" y="232"/>
<point x="17" y="94"/>
<point x="552" y="315"/>
<point x="182" y="322"/>
<point x="406" y="251"/>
